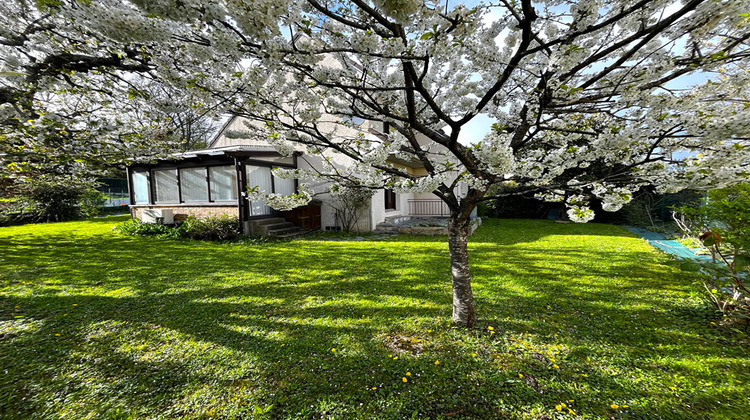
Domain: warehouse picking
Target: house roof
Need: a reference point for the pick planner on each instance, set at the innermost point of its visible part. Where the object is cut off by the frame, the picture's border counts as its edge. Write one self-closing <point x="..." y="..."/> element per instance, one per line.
<point x="221" y="131"/>
<point x="239" y="150"/>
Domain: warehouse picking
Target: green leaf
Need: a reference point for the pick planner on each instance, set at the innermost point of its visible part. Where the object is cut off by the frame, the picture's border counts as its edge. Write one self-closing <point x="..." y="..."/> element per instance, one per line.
<point x="741" y="262"/>
<point x="427" y="35"/>
<point x="690" y="266"/>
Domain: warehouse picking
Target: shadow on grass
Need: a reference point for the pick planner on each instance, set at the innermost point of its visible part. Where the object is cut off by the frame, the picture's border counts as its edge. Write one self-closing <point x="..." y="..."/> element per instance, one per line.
<point x="189" y="329"/>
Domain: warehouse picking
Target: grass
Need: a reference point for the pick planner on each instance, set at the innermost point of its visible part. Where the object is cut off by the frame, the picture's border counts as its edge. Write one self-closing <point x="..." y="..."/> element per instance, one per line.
<point x="580" y="319"/>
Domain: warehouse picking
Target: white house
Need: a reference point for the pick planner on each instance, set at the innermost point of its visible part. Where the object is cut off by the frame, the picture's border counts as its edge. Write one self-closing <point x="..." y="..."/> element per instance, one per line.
<point x="213" y="181"/>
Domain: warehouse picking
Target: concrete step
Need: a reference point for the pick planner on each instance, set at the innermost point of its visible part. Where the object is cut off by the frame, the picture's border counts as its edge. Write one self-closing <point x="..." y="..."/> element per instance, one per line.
<point x="295" y="233"/>
<point x="268" y="221"/>
<point x="268" y="229"/>
<point x="260" y="226"/>
<point x="282" y="231"/>
<point x="383" y="228"/>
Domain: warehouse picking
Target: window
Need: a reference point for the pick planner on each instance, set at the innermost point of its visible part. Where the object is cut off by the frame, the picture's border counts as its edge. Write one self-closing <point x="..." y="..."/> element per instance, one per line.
<point x="166" y="186"/>
<point x="140" y="187"/>
<point x="258" y="176"/>
<point x="283" y="186"/>
<point x="193" y="183"/>
<point x="390" y="200"/>
<point x="223" y="181"/>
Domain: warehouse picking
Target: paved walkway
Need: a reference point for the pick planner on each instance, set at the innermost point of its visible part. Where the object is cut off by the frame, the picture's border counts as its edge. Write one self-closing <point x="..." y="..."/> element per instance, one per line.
<point x="658" y="240"/>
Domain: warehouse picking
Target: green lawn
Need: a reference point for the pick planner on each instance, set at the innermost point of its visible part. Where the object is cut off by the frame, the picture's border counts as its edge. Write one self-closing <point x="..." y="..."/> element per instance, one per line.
<point x="99" y="325"/>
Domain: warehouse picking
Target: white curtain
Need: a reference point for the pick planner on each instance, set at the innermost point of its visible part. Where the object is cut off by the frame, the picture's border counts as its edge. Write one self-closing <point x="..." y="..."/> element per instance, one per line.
<point x="223" y="183"/>
<point x="193" y="184"/>
<point x="260" y="177"/>
<point x="283" y="186"/>
<point x="166" y="186"/>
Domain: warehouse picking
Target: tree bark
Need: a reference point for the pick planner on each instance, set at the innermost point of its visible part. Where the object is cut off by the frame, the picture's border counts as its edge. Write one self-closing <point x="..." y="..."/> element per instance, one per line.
<point x="464" y="313"/>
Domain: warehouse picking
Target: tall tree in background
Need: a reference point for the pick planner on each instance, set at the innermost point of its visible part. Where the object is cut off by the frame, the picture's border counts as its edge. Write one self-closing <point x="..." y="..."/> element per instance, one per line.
<point x="572" y="85"/>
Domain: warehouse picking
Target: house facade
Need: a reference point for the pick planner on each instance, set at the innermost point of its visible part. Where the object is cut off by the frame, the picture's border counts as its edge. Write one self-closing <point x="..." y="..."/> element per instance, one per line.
<point x="212" y="182"/>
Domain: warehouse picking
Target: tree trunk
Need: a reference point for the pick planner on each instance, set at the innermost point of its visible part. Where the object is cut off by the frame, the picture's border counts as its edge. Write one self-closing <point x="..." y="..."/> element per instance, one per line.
<point x="463" y="299"/>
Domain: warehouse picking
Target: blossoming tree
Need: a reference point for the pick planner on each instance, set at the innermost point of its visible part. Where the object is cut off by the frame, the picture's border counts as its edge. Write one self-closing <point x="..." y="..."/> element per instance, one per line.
<point x="571" y="86"/>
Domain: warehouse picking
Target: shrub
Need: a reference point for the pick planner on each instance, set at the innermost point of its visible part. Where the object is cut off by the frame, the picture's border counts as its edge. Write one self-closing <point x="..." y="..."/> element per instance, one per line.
<point x="139" y="228"/>
<point x="222" y="228"/>
<point x="349" y="205"/>
<point x="52" y="199"/>
<point x="92" y="202"/>
<point x="722" y="225"/>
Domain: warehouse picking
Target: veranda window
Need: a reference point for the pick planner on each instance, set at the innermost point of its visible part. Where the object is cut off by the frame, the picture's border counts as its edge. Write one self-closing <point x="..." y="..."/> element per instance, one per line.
<point x="140" y="187"/>
<point x="166" y="186"/>
<point x="223" y="180"/>
<point x="193" y="183"/>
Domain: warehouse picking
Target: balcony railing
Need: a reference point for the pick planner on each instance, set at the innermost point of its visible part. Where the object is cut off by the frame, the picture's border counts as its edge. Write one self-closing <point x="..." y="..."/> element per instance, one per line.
<point x="427" y="207"/>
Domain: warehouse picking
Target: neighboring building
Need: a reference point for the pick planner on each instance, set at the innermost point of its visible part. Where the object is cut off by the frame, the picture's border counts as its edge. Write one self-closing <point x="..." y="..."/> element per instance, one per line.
<point x="212" y="181"/>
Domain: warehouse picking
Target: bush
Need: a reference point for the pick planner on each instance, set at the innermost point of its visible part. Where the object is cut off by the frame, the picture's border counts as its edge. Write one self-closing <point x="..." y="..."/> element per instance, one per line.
<point x="223" y="228"/>
<point x="53" y="199"/>
<point x="139" y="228"/>
<point x="722" y="224"/>
<point x="92" y="202"/>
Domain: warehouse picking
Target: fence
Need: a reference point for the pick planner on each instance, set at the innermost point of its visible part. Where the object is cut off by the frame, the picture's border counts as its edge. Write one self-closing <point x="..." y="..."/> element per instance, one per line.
<point x="115" y="197"/>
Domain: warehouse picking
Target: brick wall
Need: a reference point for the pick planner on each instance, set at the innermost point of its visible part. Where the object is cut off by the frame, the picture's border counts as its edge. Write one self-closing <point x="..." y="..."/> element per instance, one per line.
<point x="182" y="213"/>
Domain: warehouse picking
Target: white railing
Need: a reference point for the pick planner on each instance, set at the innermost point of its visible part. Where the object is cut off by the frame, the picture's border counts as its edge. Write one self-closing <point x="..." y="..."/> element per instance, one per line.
<point x="427" y="207"/>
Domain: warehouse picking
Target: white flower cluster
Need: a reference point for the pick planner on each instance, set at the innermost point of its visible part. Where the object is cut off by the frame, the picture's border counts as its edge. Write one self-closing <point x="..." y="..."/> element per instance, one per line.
<point x="282" y="202"/>
<point x="555" y="196"/>
<point x="578" y="209"/>
<point x="613" y="198"/>
<point x="495" y="154"/>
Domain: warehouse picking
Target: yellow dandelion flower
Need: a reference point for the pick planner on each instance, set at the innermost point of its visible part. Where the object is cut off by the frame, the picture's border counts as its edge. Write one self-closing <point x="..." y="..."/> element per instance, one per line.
<point x="490" y="328"/>
<point x="408" y="373"/>
<point x="713" y="323"/>
<point x="205" y="295"/>
<point x="395" y="358"/>
<point x="75" y="304"/>
<point x="625" y="406"/>
<point x="520" y="375"/>
<point x="558" y="407"/>
<point x="571" y="412"/>
<point x="333" y="350"/>
<point x="404" y="379"/>
<point x="283" y="344"/>
<point x="584" y="375"/>
<point x="429" y="331"/>
<point x="570" y="401"/>
<point x="437" y="362"/>
<point x="57" y="335"/>
<point x="673" y="388"/>
<point x="556" y="367"/>
<point x="591" y="313"/>
<point x="473" y="354"/>
<point x="615" y="406"/>
<point x="374" y="388"/>
<point x="563" y="405"/>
